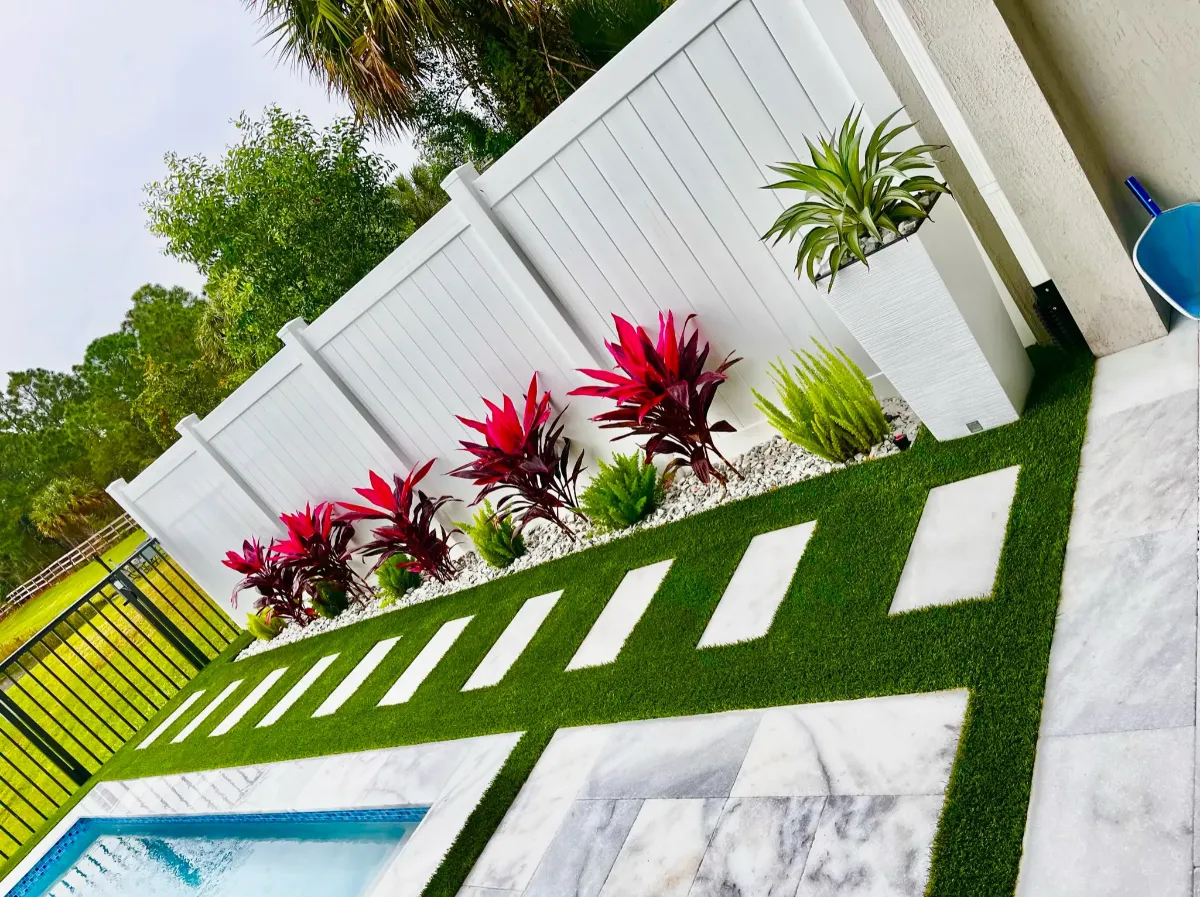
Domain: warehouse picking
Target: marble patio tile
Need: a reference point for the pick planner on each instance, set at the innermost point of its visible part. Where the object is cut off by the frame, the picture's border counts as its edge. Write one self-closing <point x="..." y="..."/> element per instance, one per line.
<point x="174" y="717"/>
<point x="1138" y="472"/>
<point x="872" y="847"/>
<point x="664" y="848"/>
<point x="1124" y="654"/>
<point x="512" y="641"/>
<point x="1111" y="816"/>
<point x="759" y="847"/>
<point x="759" y="584"/>
<point x="425" y="662"/>
<point x="280" y="785"/>
<point x="247" y="703"/>
<point x="356" y="677"/>
<point x="296" y="692"/>
<point x="693" y="756"/>
<point x="582" y="853"/>
<point x="339" y="780"/>
<point x="199" y="719"/>
<point x="956" y="550"/>
<point x="468" y="891"/>
<point x="903" y="744"/>
<point x="1147" y="372"/>
<point x="621" y="614"/>
<point x="416" y="864"/>
<point x="413" y="775"/>
<point x="512" y="854"/>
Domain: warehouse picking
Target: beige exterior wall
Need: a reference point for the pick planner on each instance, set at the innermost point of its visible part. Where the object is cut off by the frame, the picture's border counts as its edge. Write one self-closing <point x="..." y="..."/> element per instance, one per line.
<point x="1131" y="70"/>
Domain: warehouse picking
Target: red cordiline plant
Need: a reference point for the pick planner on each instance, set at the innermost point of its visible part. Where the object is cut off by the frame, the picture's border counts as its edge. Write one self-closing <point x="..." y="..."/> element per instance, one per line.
<point x="526" y="458"/>
<point x="663" y="394"/>
<point x="279" y="588"/>
<point x="412" y="528"/>
<point x="318" y="548"/>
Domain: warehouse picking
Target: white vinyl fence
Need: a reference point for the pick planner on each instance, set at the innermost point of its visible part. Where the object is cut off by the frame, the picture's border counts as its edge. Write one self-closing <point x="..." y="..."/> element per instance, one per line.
<point x="642" y="193"/>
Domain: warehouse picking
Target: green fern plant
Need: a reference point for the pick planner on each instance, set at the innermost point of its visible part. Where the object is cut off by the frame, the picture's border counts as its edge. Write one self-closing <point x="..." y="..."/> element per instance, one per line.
<point x="330" y="601"/>
<point x="264" y="624"/>
<point x="395" y="579"/>
<point x="495" y="538"/>
<point x="623" y="492"/>
<point x="828" y="404"/>
<point x="852" y="193"/>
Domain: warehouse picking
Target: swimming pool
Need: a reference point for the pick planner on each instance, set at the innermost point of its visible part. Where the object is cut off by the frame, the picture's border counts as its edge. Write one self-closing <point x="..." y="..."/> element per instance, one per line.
<point x="335" y="854"/>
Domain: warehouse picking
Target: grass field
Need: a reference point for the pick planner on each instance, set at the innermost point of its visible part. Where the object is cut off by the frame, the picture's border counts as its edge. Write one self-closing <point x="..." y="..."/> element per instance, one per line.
<point x="832" y="639"/>
<point x="30" y="617"/>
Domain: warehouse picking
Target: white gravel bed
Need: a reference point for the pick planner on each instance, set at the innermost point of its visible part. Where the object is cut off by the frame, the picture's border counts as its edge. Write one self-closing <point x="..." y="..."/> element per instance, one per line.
<point x="769" y="465"/>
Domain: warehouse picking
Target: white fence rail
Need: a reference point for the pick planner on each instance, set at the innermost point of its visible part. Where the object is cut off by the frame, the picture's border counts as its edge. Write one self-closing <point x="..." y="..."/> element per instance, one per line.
<point x="642" y="193"/>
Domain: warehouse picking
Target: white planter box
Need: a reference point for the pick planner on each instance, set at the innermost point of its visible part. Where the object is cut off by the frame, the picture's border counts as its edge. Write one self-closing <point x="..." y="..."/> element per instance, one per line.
<point x="928" y="313"/>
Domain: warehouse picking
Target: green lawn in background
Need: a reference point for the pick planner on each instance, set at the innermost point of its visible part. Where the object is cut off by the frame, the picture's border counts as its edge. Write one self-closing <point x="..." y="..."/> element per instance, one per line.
<point x="30" y="617"/>
<point x="832" y="639"/>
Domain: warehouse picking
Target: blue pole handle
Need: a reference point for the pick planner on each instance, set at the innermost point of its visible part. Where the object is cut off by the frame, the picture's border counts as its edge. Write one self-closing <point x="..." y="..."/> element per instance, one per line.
<point x="1143" y="197"/>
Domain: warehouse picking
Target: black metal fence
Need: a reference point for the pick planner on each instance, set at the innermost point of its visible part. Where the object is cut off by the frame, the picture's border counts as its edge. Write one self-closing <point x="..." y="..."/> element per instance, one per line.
<point x="73" y="694"/>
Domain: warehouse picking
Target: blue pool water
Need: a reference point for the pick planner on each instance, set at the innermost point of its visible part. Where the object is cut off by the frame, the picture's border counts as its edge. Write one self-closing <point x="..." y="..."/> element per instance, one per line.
<point x="276" y="855"/>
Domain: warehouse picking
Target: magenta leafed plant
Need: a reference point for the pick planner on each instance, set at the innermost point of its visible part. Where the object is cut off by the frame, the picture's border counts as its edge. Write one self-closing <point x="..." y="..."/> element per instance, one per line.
<point x="318" y="548"/>
<point x="412" y="525"/>
<point x="278" y="586"/>
<point x="663" y="394"/>
<point x="526" y="459"/>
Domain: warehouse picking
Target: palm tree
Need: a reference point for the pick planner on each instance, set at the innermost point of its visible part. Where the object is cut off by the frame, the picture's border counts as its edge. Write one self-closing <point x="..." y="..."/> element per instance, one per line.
<point x="63" y="509"/>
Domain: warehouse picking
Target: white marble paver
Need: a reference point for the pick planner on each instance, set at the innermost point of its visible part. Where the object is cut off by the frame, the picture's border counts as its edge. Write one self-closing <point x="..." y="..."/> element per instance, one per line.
<point x="208" y="711"/>
<point x="248" y="703"/>
<point x="516" y="638"/>
<point x="172" y="719"/>
<point x="296" y="692"/>
<point x="748" y="606"/>
<point x="742" y="802"/>
<point x="410" y="680"/>
<point x="1111" y="813"/>
<point x="621" y="614"/>
<point x="356" y="677"/>
<point x="956" y="549"/>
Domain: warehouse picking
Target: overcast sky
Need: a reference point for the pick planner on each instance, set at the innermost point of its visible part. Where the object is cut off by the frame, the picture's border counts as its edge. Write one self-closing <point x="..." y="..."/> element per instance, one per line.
<point x="94" y="94"/>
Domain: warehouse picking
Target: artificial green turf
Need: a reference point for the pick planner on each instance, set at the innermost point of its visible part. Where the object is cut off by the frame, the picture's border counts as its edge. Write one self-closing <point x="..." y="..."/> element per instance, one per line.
<point x="831" y="640"/>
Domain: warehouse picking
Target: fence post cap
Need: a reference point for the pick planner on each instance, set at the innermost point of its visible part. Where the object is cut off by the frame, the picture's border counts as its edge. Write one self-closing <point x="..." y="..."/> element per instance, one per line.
<point x="290" y="332"/>
<point x="465" y="173"/>
<point x="187" y="424"/>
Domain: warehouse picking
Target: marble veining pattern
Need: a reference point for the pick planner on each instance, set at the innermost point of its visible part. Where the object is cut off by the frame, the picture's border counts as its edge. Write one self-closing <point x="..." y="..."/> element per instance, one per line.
<point x="664" y="848"/>
<point x="759" y="584"/>
<point x="296" y="692"/>
<point x="621" y="614"/>
<point x="956" y="549"/>
<point x="356" y="677"/>
<point x="872" y="847"/>
<point x="897" y="745"/>
<point x="581" y="855"/>
<point x="423" y="664"/>
<point x="760" y="847"/>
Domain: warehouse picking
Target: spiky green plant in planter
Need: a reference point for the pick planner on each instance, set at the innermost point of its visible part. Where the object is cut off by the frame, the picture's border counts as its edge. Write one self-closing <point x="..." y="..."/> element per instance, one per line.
<point x="264" y="624"/>
<point x="622" y="493"/>
<point x="852" y="194"/>
<point x="828" y="404"/>
<point x="495" y="538"/>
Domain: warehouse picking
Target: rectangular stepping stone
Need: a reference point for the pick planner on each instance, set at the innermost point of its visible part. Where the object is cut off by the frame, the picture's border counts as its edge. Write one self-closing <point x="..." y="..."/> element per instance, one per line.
<point x="172" y="719"/>
<point x="516" y="638"/>
<point x="296" y="692"/>
<point x="759" y="584"/>
<point x="616" y="622"/>
<point x="248" y="702"/>
<point x="356" y="677"/>
<point x="408" y="683"/>
<point x="956" y="551"/>
<point x="207" y="711"/>
<point x="664" y="849"/>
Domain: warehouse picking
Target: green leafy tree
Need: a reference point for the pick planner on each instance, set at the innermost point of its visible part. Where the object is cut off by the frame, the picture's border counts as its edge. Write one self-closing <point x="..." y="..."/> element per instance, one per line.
<point x="68" y="508"/>
<point x="282" y="225"/>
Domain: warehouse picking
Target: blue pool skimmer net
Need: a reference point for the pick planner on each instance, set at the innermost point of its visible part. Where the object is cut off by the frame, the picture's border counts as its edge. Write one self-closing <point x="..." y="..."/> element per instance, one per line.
<point x="1167" y="254"/>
